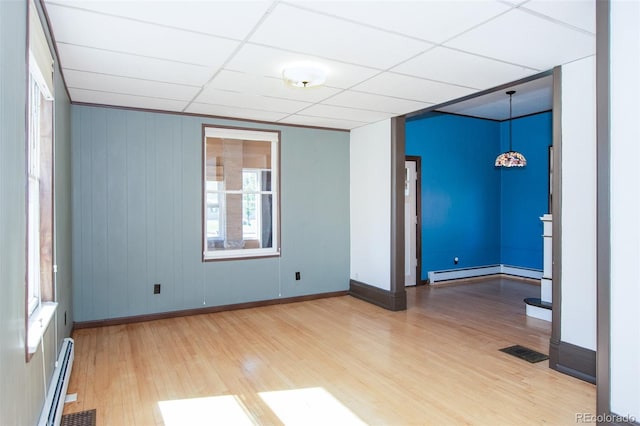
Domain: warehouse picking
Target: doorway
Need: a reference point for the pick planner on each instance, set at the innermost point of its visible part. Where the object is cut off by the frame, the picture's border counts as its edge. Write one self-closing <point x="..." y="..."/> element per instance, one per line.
<point x="412" y="222"/>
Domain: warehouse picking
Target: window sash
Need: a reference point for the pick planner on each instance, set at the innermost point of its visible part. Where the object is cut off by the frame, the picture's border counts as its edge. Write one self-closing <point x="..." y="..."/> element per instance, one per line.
<point x="226" y="249"/>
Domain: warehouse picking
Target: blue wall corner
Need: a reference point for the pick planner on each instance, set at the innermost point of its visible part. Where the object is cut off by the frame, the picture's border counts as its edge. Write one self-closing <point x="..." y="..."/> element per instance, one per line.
<point x="470" y="208"/>
<point x="525" y="191"/>
<point x="460" y="203"/>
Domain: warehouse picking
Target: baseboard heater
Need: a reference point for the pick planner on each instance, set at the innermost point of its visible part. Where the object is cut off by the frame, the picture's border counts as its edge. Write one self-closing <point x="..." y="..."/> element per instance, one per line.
<point x="454" y="274"/>
<point x="54" y="404"/>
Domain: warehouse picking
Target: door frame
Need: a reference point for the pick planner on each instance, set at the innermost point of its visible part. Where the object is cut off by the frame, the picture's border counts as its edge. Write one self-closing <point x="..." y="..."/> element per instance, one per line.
<point x="418" y="160"/>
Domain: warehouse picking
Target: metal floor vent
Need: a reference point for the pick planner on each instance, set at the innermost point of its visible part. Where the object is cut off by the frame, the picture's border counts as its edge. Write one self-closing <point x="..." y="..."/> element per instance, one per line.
<point x="525" y="353"/>
<point x="81" y="418"/>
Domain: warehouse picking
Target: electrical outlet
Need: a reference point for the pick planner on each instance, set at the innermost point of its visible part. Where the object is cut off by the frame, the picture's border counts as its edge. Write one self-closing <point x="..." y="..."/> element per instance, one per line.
<point x="297" y="276"/>
<point x="156" y="289"/>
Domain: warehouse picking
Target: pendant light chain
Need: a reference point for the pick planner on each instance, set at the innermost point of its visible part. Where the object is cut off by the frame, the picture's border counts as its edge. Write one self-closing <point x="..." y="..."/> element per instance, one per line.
<point x="511" y="158"/>
<point x="510" y="120"/>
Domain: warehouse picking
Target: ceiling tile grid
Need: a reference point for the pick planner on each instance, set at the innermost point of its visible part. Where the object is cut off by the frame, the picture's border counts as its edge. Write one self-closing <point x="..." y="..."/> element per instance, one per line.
<point x="383" y="58"/>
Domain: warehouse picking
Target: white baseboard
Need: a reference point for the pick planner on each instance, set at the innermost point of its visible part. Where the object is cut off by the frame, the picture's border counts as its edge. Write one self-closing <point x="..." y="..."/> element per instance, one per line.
<point x="536" y="274"/>
<point x="456" y="274"/>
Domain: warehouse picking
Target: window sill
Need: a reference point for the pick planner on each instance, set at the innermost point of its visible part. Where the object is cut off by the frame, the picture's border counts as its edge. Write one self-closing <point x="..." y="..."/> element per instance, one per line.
<point x="239" y="254"/>
<point x="38" y="324"/>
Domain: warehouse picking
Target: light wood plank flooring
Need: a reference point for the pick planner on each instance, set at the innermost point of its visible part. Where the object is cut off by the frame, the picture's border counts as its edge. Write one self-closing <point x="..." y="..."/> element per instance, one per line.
<point x="332" y="361"/>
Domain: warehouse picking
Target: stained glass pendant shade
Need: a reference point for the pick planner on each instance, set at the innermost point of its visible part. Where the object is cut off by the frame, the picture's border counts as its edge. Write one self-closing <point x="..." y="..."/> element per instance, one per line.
<point x="511" y="158"/>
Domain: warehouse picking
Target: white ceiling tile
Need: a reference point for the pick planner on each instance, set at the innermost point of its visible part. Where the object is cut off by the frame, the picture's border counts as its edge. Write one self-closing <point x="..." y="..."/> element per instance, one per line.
<point x="74" y="26"/>
<point x="302" y="31"/>
<point x="522" y="38"/>
<point x="270" y="86"/>
<point x="118" y="99"/>
<point x="332" y="123"/>
<point x="247" y="100"/>
<point x="434" y="21"/>
<point x="233" y="19"/>
<point x="412" y="88"/>
<point x="372" y="102"/>
<point x="459" y="68"/>
<point x="132" y="86"/>
<point x="353" y="40"/>
<point x="268" y="61"/>
<point x="352" y="114"/>
<point x="579" y="13"/>
<point x="235" y="112"/>
<point x="122" y="64"/>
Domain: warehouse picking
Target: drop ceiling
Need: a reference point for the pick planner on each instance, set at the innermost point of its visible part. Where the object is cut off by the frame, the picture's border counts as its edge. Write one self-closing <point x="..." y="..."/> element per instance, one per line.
<point x="384" y="58"/>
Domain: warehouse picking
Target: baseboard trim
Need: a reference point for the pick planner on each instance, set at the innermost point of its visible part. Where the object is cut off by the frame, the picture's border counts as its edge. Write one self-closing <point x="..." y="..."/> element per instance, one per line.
<point x="383" y="298"/>
<point x="573" y="360"/>
<point x="482" y="278"/>
<point x="200" y="311"/>
<point x="455" y="274"/>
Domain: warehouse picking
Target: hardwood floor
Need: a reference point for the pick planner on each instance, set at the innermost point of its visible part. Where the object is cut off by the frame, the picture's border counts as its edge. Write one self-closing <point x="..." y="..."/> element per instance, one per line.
<point x="332" y="361"/>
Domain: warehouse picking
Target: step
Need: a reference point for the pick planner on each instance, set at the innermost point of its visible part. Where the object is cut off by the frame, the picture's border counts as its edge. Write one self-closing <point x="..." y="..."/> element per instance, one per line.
<point x="536" y="301"/>
<point x="536" y="308"/>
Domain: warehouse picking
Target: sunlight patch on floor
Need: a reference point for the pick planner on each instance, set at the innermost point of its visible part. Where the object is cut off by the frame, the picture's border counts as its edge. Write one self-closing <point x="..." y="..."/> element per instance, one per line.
<point x="309" y="406"/>
<point x="225" y="409"/>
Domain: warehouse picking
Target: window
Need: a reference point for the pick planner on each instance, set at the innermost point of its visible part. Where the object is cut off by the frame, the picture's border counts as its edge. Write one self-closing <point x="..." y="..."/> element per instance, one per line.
<point x="240" y="193"/>
<point x="39" y="176"/>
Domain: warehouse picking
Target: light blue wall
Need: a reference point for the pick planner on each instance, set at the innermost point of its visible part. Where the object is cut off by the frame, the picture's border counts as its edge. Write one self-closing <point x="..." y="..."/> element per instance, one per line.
<point x="525" y="191"/>
<point x="460" y="196"/>
<point x="21" y="388"/>
<point x="470" y="209"/>
<point x="137" y="217"/>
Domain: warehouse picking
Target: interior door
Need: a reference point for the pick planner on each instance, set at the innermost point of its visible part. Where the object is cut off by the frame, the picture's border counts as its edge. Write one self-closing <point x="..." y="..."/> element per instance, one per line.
<point x="410" y="223"/>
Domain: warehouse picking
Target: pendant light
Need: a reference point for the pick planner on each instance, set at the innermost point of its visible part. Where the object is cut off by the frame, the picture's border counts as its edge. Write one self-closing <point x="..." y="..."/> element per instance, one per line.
<point x="511" y="158"/>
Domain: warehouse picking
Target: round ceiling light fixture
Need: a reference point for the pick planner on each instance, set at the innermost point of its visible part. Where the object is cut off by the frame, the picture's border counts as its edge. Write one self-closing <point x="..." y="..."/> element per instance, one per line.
<point x="304" y="75"/>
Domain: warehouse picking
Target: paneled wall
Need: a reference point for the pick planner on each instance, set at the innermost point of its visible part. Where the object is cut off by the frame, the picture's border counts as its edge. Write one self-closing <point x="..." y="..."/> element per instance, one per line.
<point x="137" y="217"/>
<point x="23" y="384"/>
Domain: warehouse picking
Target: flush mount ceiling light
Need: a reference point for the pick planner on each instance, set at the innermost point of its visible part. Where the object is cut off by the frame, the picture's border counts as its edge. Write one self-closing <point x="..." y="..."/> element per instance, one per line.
<point x="304" y="75"/>
<point x="511" y="158"/>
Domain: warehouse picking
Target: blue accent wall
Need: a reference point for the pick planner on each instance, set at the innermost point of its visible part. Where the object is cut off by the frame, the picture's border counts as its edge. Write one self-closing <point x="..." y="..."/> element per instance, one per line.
<point x="524" y="191"/>
<point x="470" y="209"/>
<point x="460" y="196"/>
<point x="138" y="220"/>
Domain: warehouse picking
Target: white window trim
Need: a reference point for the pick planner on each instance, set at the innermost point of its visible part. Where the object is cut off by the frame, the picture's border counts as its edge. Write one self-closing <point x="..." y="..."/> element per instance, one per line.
<point x="256" y="135"/>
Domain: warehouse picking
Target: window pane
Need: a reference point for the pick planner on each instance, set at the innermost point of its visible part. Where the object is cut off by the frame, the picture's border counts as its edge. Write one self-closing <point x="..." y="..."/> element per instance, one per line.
<point x="33" y="242"/>
<point x="233" y="218"/>
<point x="266" y="220"/>
<point x="214" y="224"/>
<point x="250" y="206"/>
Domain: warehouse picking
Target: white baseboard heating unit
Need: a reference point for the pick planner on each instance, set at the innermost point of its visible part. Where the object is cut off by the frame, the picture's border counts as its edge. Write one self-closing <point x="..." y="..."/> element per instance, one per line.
<point x="54" y="404"/>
